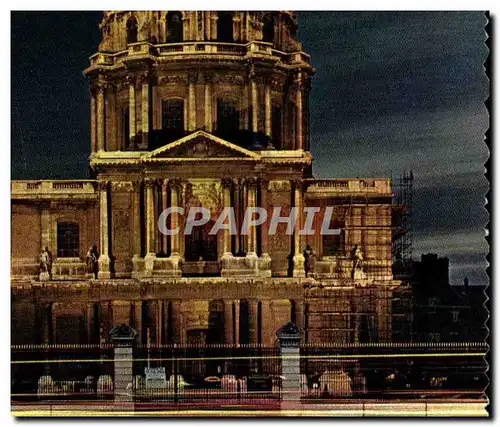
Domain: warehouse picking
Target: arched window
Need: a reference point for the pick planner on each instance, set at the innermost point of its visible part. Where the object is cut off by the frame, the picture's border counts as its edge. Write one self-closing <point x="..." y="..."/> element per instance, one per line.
<point x="67" y="240"/>
<point x="276" y="126"/>
<point x="228" y="118"/>
<point x="174" y="27"/>
<point x="172" y="118"/>
<point x="132" y="30"/>
<point x="334" y="245"/>
<point x="268" y="28"/>
<point x="225" y="27"/>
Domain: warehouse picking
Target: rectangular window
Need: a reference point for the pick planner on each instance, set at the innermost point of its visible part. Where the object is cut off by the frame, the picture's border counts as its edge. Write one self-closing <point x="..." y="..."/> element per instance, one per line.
<point x="172" y="119"/>
<point x="334" y="245"/>
<point x="67" y="240"/>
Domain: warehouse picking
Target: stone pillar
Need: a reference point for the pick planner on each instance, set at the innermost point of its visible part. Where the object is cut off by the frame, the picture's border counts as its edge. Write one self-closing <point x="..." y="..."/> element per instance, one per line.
<point x="104" y="261"/>
<point x="265" y="226"/>
<point x="208" y="105"/>
<point x="100" y="117"/>
<point x="237" y="214"/>
<point x="174" y="218"/>
<point x="228" y="322"/>
<point x="227" y="185"/>
<point x="267" y="322"/>
<point x="192" y="103"/>
<point x="47" y="332"/>
<point x="123" y="338"/>
<point x="136" y="230"/>
<point x="163" y="237"/>
<point x="252" y="232"/>
<point x="89" y="315"/>
<point x="253" y="322"/>
<point x="138" y="320"/>
<point x="289" y="336"/>
<point x="93" y="139"/>
<point x="131" y="112"/>
<point x="298" y="257"/>
<point x="150" y="228"/>
<point x="236" y="335"/>
<point x="45" y="226"/>
<point x="255" y="103"/>
<point x="145" y="111"/>
<point x="299" y="125"/>
<point x="267" y="107"/>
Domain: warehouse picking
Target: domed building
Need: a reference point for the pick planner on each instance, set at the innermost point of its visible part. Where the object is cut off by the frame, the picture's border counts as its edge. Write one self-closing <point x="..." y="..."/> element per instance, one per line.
<point x="207" y="110"/>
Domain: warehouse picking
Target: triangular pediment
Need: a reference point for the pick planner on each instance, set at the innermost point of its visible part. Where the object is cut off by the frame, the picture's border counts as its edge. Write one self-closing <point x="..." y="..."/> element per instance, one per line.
<point x="201" y="145"/>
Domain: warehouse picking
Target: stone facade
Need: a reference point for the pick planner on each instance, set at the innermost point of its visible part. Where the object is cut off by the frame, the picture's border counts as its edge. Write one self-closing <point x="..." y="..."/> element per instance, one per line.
<point x="202" y="109"/>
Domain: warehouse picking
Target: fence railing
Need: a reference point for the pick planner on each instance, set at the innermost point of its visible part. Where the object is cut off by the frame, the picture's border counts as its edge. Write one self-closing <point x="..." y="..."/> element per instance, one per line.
<point x="246" y="374"/>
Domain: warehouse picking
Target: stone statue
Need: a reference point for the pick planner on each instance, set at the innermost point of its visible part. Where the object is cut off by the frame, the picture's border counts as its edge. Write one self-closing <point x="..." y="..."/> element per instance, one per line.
<point x="44" y="265"/>
<point x="49" y="264"/>
<point x="357" y="263"/>
<point x="44" y="261"/>
<point x="307" y="258"/>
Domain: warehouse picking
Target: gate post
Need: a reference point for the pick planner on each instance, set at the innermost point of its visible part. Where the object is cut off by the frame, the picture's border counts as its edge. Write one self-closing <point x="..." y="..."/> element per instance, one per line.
<point x="289" y="336"/>
<point x="123" y="338"/>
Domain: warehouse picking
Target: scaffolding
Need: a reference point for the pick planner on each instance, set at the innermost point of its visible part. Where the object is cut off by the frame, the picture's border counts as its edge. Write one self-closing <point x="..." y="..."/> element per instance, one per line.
<point x="402" y="233"/>
<point x="381" y="230"/>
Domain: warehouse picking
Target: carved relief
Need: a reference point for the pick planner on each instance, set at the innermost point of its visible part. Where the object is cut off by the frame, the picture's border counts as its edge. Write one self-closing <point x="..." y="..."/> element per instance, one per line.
<point x="173" y="79"/>
<point x="205" y="194"/>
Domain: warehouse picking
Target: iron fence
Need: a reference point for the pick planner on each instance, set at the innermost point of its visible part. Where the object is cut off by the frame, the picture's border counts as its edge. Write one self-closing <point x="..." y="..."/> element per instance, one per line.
<point x="251" y="374"/>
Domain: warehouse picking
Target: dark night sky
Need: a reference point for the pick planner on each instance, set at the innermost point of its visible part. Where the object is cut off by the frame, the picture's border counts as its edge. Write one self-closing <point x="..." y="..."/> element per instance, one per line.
<point x="393" y="91"/>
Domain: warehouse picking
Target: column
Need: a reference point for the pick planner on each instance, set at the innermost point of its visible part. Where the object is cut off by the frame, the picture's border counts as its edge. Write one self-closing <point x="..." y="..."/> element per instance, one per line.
<point x="267" y="107"/>
<point x="244" y="204"/>
<point x="131" y="112"/>
<point x="228" y="322"/>
<point x="145" y="111"/>
<point x="192" y="103"/>
<point x="93" y="140"/>
<point x="255" y="103"/>
<point x="265" y="226"/>
<point x="174" y="218"/>
<point x="253" y="322"/>
<point x="236" y="331"/>
<point x="252" y="234"/>
<point x="267" y="322"/>
<point x="104" y="261"/>
<point x="298" y="258"/>
<point x="208" y="104"/>
<point x="138" y="320"/>
<point x="45" y="226"/>
<point x="90" y="322"/>
<point x="298" y="128"/>
<point x="100" y="117"/>
<point x="237" y="214"/>
<point x="150" y="227"/>
<point x="227" y="186"/>
<point x="136" y="227"/>
<point x="47" y="323"/>
<point x="163" y="237"/>
<point x="159" y="322"/>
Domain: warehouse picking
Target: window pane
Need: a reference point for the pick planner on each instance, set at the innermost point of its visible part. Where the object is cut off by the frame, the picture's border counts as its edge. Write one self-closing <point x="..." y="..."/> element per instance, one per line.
<point x="67" y="240"/>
